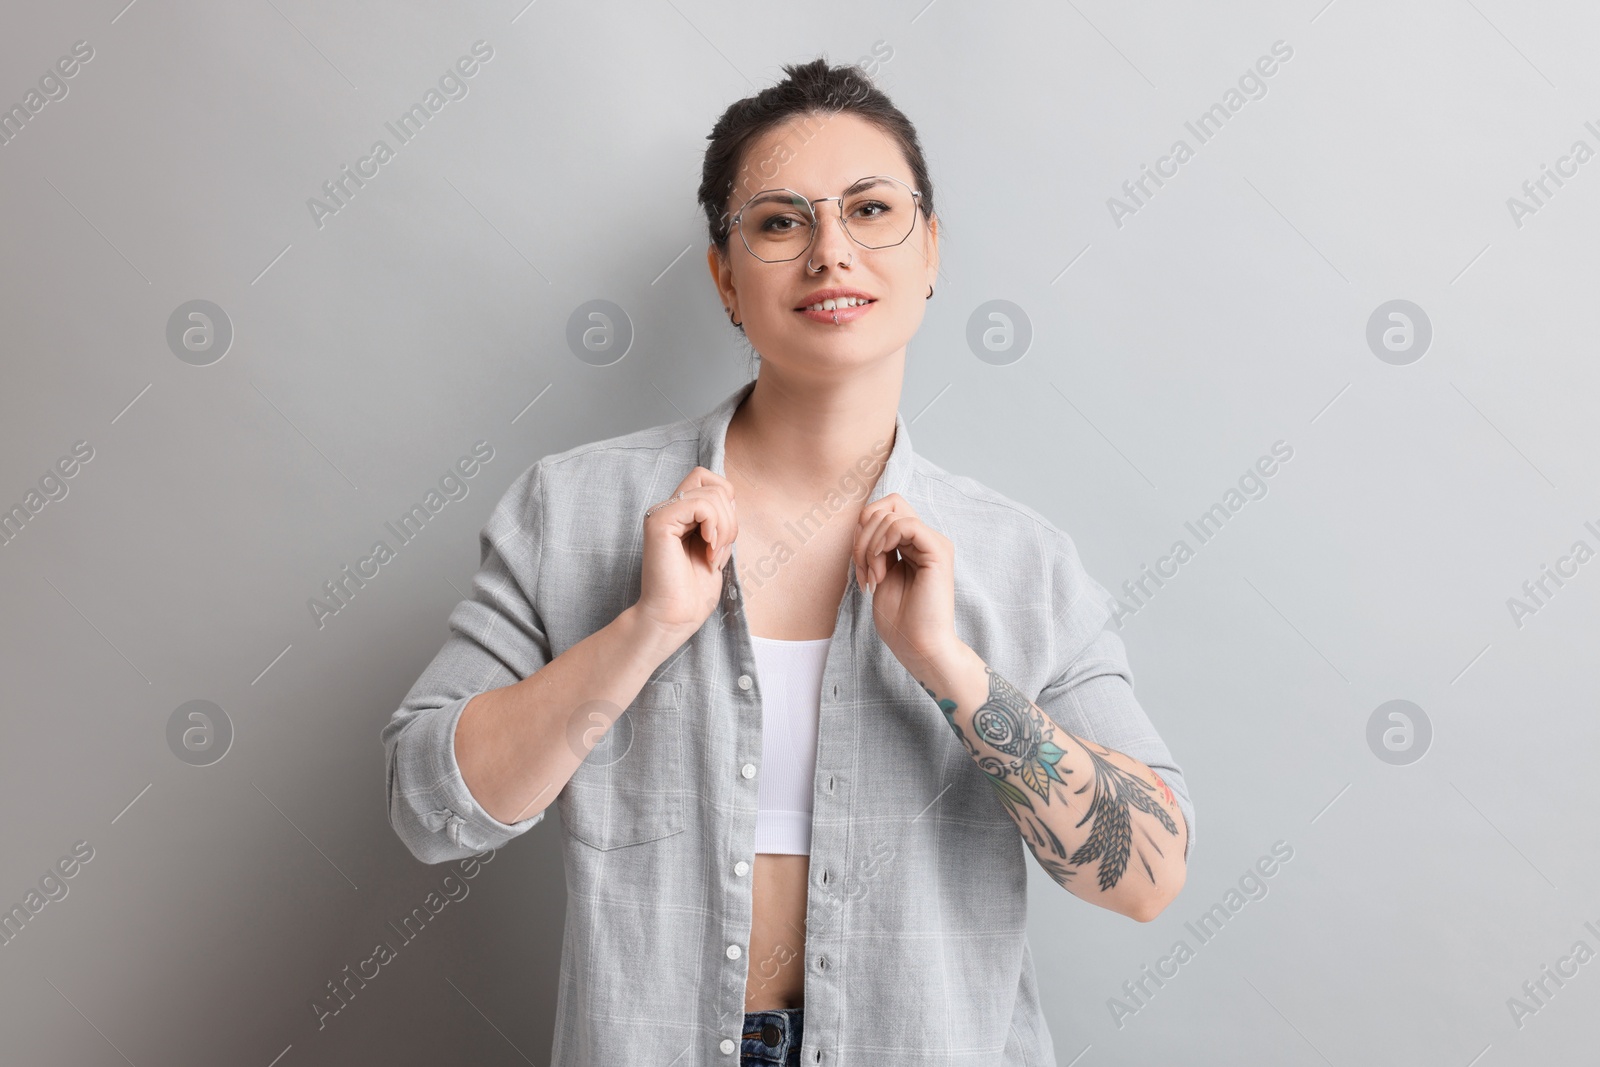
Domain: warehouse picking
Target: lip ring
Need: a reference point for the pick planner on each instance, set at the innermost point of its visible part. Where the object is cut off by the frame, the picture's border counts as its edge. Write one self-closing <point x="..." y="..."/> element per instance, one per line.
<point x="837" y="316"/>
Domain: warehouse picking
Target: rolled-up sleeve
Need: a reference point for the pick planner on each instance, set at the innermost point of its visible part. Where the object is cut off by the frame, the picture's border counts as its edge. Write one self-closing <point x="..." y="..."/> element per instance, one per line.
<point x="1090" y="693"/>
<point x="496" y="638"/>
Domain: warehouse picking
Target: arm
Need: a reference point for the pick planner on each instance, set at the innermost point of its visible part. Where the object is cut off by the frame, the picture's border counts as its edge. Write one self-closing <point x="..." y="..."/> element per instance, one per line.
<point x="495" y="726"/>
<point x="1099" y="820"/>
<point x="1102" y="824"/>
<point x="518" y="746"/>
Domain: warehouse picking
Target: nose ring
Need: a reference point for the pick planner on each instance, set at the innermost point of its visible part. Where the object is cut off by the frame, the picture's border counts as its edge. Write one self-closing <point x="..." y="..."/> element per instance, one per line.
<point x="818" y="270"/>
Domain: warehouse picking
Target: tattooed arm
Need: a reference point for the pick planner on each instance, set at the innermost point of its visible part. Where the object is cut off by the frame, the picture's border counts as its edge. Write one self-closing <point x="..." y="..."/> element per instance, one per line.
<point x="1103" y="825"/>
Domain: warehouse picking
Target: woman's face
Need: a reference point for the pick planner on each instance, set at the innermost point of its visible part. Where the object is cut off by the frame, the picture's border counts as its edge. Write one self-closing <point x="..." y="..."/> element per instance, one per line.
<point x="820" y="156"/>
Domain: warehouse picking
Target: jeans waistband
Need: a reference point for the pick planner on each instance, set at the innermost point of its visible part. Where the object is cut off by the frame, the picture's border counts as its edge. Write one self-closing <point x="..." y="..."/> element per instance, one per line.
<point x="771" y="1037"/>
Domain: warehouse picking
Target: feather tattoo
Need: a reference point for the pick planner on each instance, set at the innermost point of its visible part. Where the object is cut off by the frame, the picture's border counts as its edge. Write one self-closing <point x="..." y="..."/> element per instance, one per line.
<point x="1019" y="754"/>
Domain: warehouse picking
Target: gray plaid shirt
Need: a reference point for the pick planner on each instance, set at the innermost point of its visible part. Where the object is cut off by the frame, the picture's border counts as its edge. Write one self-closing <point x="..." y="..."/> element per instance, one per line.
<point x="915" y="949"/>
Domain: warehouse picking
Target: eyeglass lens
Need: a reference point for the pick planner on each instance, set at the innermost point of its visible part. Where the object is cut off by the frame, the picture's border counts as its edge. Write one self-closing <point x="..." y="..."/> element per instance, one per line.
<point x="778" y="224"/>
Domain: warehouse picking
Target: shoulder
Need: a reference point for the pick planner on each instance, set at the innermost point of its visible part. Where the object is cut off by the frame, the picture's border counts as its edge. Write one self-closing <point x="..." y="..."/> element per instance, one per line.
<point x="623" y="454"/>
<point x="1007" y="549"/>
<point x="584" y="491"/>
<point x="969" y="506"/>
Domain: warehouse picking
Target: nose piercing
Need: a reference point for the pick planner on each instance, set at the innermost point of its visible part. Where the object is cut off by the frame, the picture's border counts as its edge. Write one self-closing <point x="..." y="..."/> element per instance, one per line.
<point x="818" y="270"/>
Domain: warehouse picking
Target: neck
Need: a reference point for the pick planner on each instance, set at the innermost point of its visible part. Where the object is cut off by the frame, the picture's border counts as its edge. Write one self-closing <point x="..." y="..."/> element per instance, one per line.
<point x="799" y="438"/>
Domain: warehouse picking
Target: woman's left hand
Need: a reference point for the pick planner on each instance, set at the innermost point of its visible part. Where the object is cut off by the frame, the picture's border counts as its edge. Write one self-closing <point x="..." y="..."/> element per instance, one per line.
<point x="913" y="566"/>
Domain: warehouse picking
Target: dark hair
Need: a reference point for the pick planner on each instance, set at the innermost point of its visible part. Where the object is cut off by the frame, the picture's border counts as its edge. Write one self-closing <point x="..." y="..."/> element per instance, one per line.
<point x="814" y="87"/>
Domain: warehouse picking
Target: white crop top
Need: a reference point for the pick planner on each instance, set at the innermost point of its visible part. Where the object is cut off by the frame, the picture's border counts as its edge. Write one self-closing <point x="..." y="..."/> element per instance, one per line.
<point x="791" y="703"/>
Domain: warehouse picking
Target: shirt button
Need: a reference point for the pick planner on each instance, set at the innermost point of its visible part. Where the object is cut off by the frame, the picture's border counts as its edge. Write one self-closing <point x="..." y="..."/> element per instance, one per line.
<point x="733" y="952"/>
<point x="744" y="681"/>
<point x="741" y="868"/>
<point x="748" y="770"/>
<point x="727" y="1044"/>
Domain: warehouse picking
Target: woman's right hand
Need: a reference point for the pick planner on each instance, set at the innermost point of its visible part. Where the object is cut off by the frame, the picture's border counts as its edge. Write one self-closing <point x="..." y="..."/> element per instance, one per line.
<point x="686" y="544"/>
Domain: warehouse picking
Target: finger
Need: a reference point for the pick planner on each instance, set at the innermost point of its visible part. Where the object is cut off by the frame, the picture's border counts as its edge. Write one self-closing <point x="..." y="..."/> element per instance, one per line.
<point x="714" y="519"/>
<point x="894" y="503"/>
<point x="702" y="478"/>
<point x="865" y="535"/>
<point x="894" y="534"/>
<point x="911" y="537"/>
<point x="885" y="539"/>
<point x="681" y="517"/>
<point x="730" y="509"/>
<point x="870" y="514"/>
<point x="722" y="531"/>
<point x="917" y="542"/>
<point x="876" y="508"/>
<point x="725" y="529"/>
<point x="858" y="544"/>
<point x="726" y="526"/>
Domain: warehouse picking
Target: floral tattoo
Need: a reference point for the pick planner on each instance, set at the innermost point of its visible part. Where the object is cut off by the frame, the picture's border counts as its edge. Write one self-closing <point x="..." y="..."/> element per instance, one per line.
<point x="1020" y="756"/>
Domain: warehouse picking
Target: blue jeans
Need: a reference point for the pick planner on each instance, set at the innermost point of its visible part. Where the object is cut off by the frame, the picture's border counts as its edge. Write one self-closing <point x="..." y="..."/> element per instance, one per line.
<point x="771" y="1038"/>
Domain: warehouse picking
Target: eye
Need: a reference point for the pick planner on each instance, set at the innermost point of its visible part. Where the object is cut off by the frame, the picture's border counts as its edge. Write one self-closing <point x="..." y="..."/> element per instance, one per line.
<point x="870" y="209"/>
<point x="781" y="224"/>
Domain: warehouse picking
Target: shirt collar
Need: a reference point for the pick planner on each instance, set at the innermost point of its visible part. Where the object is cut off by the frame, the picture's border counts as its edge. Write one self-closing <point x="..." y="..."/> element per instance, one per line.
<point x="714" y="433"/>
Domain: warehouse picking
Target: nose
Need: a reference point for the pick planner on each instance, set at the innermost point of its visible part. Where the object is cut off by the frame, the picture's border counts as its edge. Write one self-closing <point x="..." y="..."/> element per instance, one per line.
<point x="832" y="245"/>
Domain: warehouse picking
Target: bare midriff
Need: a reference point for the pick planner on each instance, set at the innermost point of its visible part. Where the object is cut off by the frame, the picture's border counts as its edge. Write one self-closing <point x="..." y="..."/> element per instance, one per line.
<point x="800" y="602"/>
<point x="777" y="977"/>
<point x="792" y="560"/>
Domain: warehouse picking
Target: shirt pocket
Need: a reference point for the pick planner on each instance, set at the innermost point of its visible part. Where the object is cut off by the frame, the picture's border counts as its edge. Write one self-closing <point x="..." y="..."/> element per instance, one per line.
<point x="631" y="787"/>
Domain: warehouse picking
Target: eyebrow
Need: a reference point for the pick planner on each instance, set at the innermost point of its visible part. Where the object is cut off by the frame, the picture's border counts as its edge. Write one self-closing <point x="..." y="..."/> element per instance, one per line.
<point x="854" y="187"/>
<point x="864" y="183"/>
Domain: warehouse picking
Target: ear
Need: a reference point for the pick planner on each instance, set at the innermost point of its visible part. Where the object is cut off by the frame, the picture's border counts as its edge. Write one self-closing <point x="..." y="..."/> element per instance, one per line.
<point x="721" y="274"/>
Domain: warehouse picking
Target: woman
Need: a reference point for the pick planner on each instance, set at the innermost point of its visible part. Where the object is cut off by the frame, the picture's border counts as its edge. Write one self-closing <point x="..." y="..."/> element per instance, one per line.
<point x="794" y="791"/>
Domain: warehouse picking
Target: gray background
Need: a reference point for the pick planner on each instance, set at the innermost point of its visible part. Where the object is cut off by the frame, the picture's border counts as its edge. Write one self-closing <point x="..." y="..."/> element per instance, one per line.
<point x="1167" y="354"/>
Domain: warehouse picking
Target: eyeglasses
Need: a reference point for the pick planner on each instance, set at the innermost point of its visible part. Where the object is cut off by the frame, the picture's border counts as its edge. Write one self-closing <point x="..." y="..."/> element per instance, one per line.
<point x="779" y="225"/>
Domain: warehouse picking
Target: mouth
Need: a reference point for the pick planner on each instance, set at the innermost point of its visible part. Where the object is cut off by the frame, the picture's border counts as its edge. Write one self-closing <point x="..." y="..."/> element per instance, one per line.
<point x="841" y="309"/>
